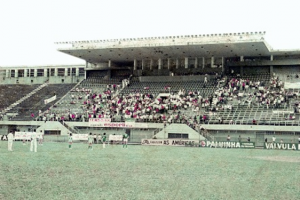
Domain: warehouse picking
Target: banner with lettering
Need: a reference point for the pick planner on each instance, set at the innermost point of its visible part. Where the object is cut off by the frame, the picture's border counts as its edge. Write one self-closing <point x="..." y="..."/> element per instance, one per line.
<point x="284" y="146"/>
<point x="24" y="135"/>
<point x="115" y="137"/>
<point x="169" y="142"/>
<point x="80" y="136"/>
<point x="106" y="122"/>
<point x="227" y="144"/>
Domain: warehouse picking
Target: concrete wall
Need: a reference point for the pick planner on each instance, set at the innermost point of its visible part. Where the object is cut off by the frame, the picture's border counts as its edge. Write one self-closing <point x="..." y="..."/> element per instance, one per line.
<point x="265" y="62"/>
<point x="179" y="128"/>
<point x="41" y="80"/>
<point x="3" y="130"/>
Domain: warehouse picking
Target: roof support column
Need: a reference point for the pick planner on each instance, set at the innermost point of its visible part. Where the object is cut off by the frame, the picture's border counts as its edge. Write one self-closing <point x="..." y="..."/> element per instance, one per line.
<point x="45" y="72"/>
<point x="66" y="71"/>
<point x="242" y="58"/>
<point x="203" y="62"/>
<point x="196" y="62"/>
<point x="151" y="64"/>
<point x="169" y="63"/>
<point x="186" y="62"/>
<point x="271" y="57"/>
<point x="212" y="63"/>
<point x="77" y="71"/>
<point x="25" y="72"/>
<point x="177" y="63"/>
<point x="109" y="63"/>
<point x="55" y="71"/>
<point x="143" y="64"/>
<point x="35" y="73"/>
<point x="134" y="64"/>
<point x="159" y="63"/>
<point x="7" y="73"/>
<point x="16" y="73"/>
<point x="222" y="64"/>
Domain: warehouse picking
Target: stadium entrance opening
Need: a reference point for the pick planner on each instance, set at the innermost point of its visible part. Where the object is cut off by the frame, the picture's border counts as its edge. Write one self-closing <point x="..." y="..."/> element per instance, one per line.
<point x="178" y="135"/>
<point x="52" y="132"/>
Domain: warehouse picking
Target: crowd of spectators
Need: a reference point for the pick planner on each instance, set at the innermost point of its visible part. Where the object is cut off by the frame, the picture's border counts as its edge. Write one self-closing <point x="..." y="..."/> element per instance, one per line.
<point x="184" y="106"/>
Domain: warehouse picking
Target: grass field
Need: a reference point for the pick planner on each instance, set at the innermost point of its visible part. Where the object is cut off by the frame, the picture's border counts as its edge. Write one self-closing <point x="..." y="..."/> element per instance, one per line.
<point x="147" y="172"/>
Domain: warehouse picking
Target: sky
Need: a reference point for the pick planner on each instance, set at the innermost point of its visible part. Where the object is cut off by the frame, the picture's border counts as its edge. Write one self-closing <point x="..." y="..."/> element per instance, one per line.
<point x="29" y="28"/>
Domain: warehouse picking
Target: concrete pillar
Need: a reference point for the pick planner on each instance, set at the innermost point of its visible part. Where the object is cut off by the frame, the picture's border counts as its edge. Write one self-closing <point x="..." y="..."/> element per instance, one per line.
<point x="109" y="63"/>
<point x="45" y="73"/>
<point x="35" y="73"/>
<point x="16" y="73"/>
<point x="186" y="62"/>
<point x="159" y="63"/>
<point x="271" y="57"/>
<point x="196" y="62"/>
<point x="177" y="63"/>
<point x="77" y="71"/>
<point x="242" y="58"/>
<point x="25" y="72"/>
<point x="66" y="71"/>
<point x="55" y="71"/>
<point x="143" y="64"/>
<point x="151" y="64"/>
<point x="203" y="62"/>
<point x="134" y="64"/>
<point x="7" y="73"/>
<point x="169" y="63"/>
<point x="212" y="63"/>
<point x="222" y="64"/>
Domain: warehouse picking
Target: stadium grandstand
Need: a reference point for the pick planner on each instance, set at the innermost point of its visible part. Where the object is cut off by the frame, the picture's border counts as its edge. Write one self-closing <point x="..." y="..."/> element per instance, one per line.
<point x="191" y="87"/>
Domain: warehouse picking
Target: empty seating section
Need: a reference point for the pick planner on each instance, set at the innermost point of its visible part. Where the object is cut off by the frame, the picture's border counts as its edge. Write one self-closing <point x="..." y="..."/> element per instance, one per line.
<point x="11" y="93"/>
<point x="288" y="73"/>
<point x="165" y="87"/>
<point x="196" y="71"/>
<point x="34" y="103"/>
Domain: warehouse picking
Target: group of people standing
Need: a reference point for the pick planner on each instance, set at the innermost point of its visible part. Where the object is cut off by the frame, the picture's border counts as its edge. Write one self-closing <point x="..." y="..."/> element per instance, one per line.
<point x="35" y="139"/>
<point x="93" y="139"/>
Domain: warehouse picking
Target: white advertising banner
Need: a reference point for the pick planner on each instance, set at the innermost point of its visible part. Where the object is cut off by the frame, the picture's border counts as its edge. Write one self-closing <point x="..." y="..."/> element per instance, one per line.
<point x="24" y="135"/>
<point x="104" y="122"/>
<point x="170" y="142"/>
<point x="80" y="136"/>
<point x="115" y="137"/>
<point x="50" y="99"/>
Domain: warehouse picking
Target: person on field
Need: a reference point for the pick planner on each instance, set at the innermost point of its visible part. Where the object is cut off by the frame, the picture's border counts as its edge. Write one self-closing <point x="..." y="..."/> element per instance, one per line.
<point x="273" y="139"/>
<point x="90" y="141"/>
<point x="10" y="139"/>
<point x="228" y="138"/>
<point x="104" y="140"/>
<point x="125" y="139"/>
<point x="33" y="142"/>
<point x="41" y="136"/>
<point x="70" y="141"/>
